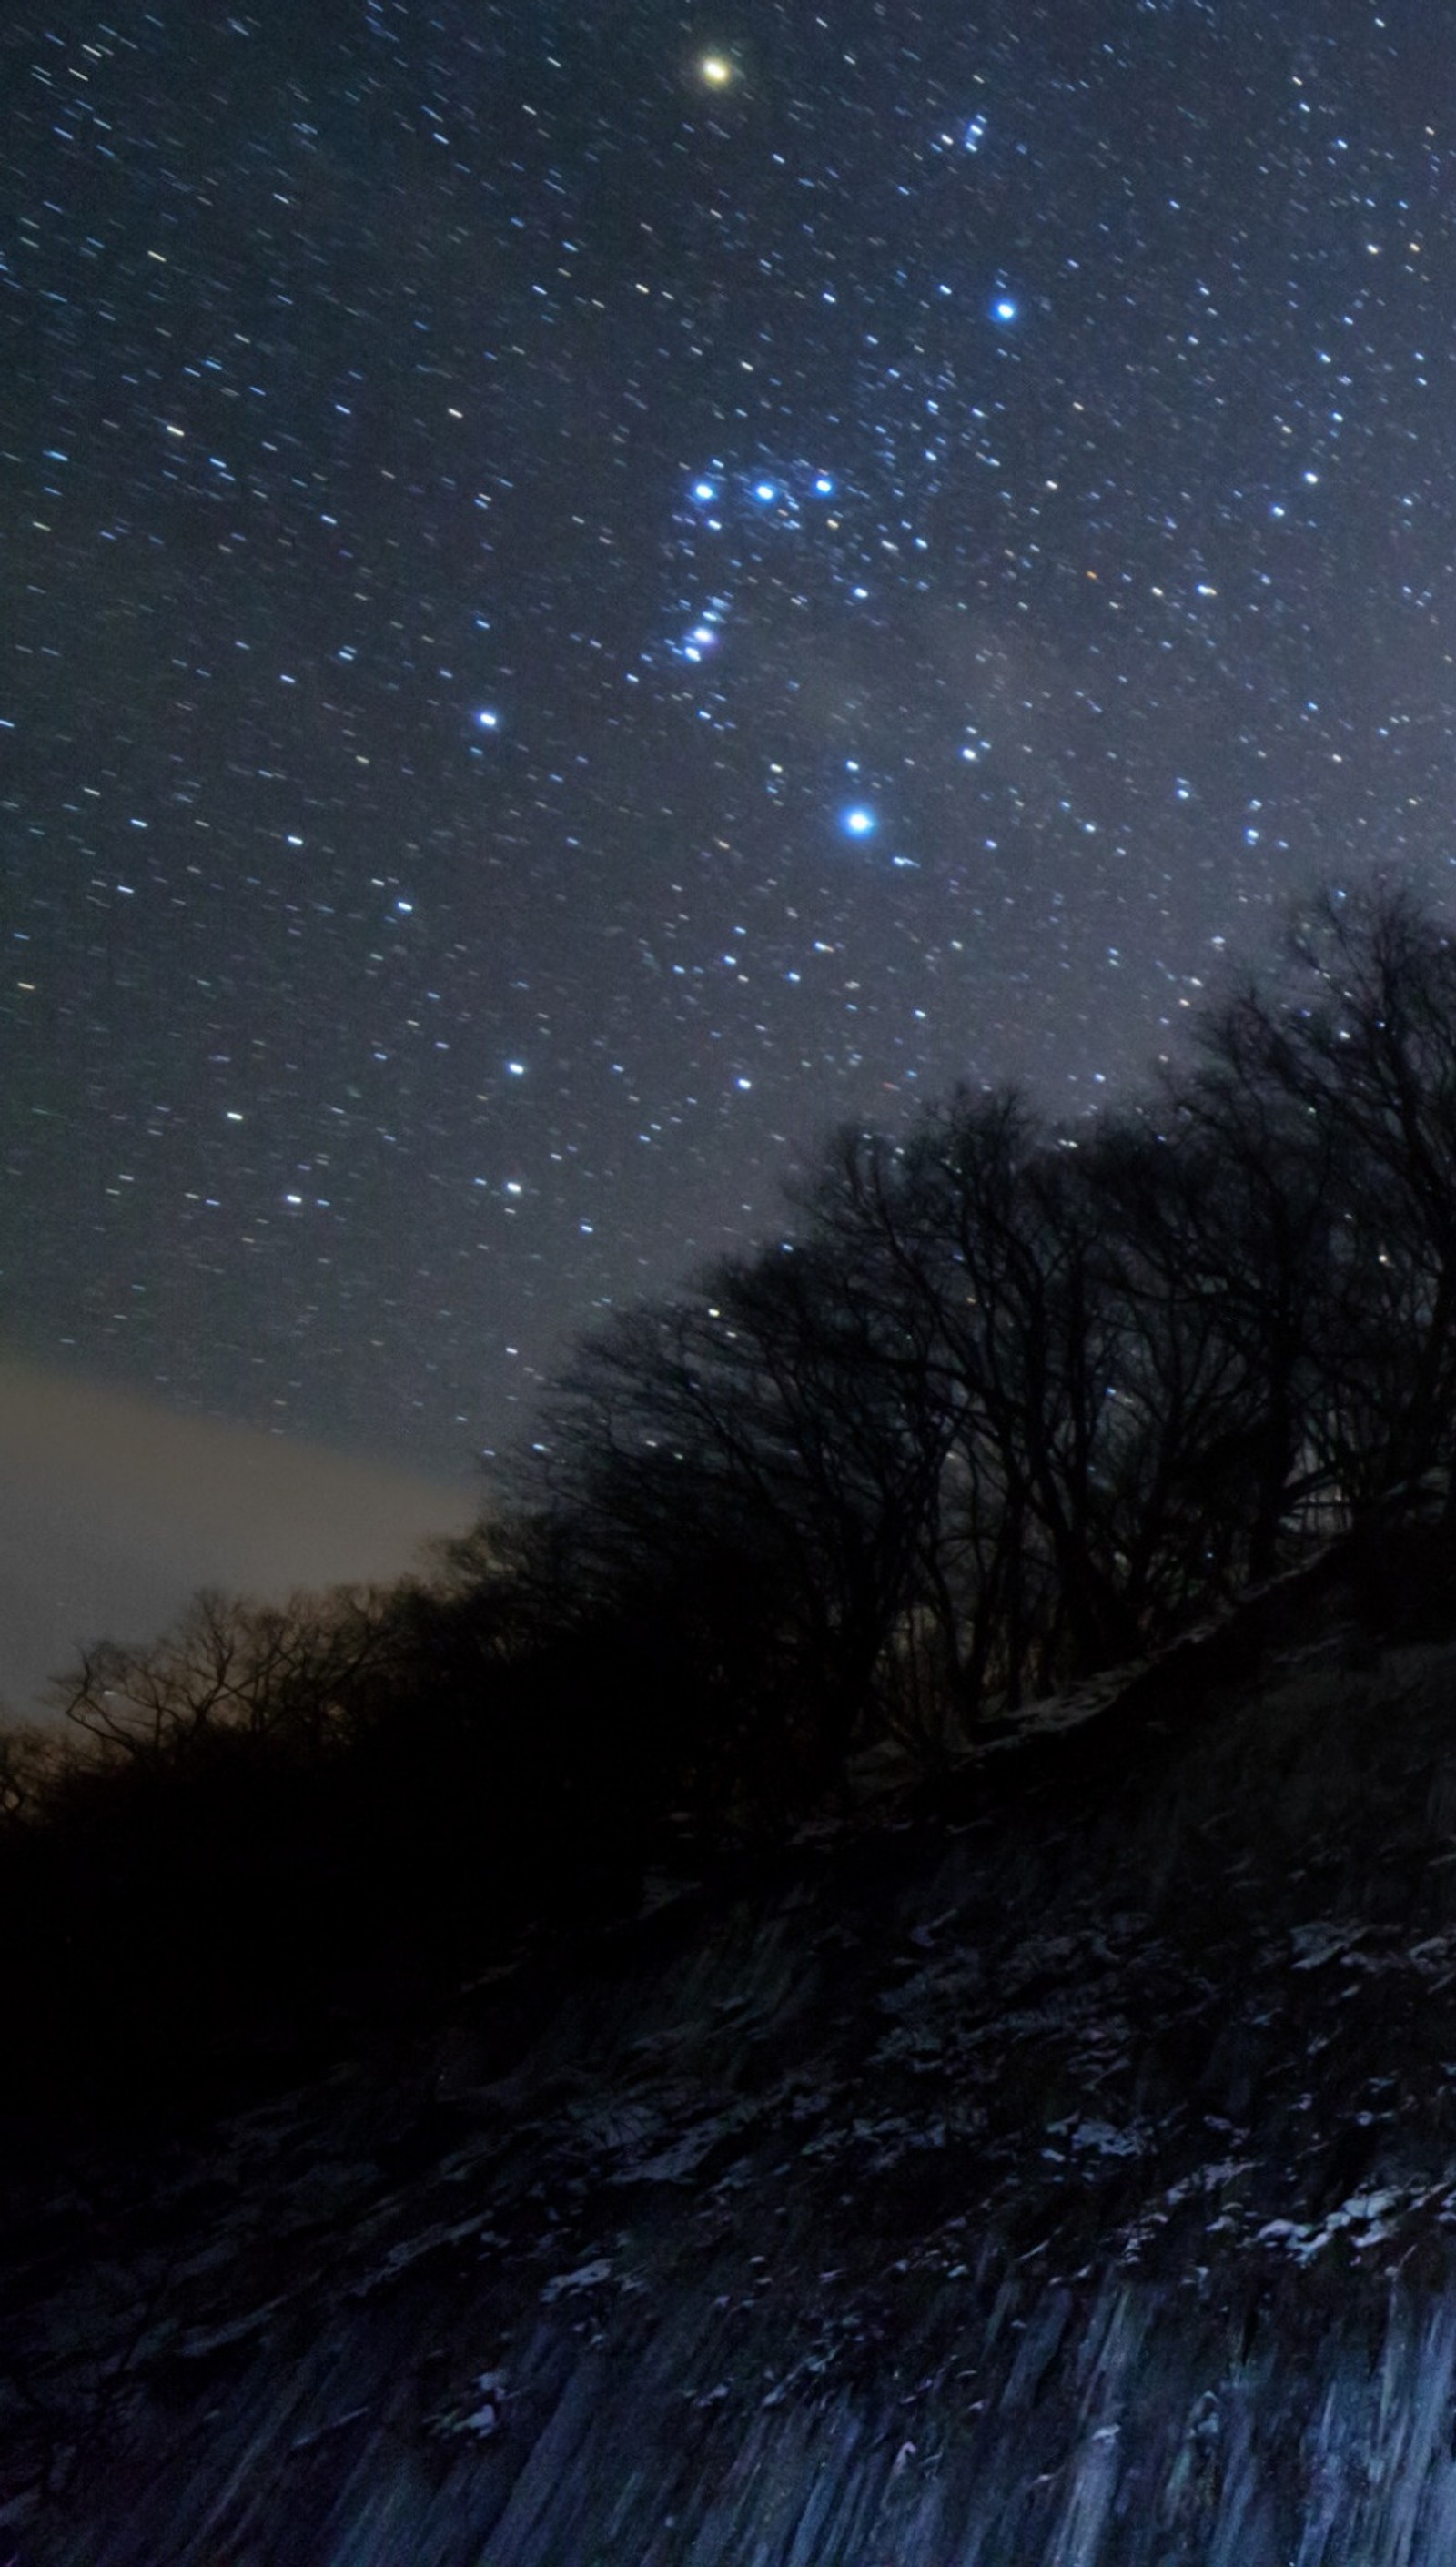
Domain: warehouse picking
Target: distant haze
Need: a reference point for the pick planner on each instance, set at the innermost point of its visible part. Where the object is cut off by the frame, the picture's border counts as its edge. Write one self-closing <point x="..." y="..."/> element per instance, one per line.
<point x="113" y="1510"/>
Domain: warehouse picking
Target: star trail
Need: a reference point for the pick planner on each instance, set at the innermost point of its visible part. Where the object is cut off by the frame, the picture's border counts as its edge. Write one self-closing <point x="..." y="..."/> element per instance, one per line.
<point x="591" y="593"/>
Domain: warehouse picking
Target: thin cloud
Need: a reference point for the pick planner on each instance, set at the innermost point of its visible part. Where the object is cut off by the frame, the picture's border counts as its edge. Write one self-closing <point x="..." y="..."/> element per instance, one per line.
<point x="113" y="1510"/>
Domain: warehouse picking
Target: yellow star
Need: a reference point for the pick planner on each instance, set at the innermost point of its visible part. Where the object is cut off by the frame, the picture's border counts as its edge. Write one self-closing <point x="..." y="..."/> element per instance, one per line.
<point x="715" y="71"/>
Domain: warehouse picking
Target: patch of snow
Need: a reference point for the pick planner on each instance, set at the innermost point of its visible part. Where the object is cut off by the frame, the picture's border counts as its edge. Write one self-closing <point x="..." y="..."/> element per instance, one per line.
<point x="1100" y="2138"/>
<point x="585" y="2278"/>
<point x="1328" y="1939"/>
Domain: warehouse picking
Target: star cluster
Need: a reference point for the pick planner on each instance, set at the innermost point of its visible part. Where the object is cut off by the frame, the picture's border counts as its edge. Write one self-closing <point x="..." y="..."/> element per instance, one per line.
<point x="590" y="593"/>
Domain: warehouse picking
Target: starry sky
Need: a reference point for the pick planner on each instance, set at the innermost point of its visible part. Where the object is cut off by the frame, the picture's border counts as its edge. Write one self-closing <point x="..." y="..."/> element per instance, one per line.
<point x="591" y="591"/>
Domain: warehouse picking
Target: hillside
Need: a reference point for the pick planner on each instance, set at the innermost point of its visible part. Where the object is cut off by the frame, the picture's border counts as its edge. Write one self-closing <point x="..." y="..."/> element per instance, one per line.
<point x="1055" y="2165"/>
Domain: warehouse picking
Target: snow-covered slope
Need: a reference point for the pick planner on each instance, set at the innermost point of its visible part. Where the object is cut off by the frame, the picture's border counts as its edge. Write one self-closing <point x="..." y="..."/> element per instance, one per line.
<point x="1054" y="2168"/>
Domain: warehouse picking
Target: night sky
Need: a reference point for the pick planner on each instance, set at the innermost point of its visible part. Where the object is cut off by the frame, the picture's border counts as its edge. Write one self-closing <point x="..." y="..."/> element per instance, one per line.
<point x="588" y="592"/>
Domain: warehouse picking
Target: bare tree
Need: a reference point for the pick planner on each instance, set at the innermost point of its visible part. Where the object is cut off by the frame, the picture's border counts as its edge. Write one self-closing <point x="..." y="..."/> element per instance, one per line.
<point x="1353" y="1054"/>
<point x="756" y="1424"/>
<point x="32" y="1758"/>
<point x="228" y="1668"/>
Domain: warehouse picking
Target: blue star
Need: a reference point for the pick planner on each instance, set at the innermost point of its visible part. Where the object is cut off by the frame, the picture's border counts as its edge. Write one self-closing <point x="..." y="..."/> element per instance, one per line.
<point x="858" y="821"/>
<point x="1004" y="308"/>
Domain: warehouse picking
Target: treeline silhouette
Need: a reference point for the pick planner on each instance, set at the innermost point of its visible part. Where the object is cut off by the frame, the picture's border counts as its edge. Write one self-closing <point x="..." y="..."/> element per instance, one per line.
<point x="1015" y="1404"/>
<point x="1012" y="1404"/>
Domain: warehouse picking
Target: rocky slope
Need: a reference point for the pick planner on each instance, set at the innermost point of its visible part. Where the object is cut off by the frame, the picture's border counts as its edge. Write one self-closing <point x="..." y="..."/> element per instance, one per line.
<point x="1055" y="2165"/>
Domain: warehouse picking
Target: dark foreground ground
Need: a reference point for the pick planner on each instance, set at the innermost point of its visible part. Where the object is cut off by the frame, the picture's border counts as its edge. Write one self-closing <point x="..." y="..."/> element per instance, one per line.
<point x="1058" y="2169"/>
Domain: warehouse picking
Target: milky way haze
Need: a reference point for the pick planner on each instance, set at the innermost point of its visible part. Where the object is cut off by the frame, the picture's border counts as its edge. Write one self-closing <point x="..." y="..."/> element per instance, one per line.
<point x="590" y="591"/>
